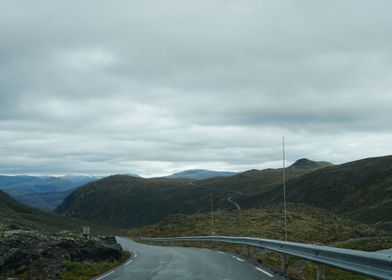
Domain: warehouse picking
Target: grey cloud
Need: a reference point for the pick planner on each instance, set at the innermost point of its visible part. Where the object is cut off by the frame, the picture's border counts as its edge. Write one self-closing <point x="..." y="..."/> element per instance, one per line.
<point x="152" y="87"/>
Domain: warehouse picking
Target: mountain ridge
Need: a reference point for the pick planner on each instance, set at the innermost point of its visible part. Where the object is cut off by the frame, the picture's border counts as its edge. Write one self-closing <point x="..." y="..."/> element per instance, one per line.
<point x="125" y="201"/>
<point x="199" y="174"/>
<point x="359" y="190"/>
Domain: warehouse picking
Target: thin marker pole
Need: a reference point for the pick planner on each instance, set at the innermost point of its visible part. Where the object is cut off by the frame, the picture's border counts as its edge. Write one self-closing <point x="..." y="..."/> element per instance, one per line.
<point x="212" y="215"/>
<point x="170" y="226"/>
<point x="284" y="191"/>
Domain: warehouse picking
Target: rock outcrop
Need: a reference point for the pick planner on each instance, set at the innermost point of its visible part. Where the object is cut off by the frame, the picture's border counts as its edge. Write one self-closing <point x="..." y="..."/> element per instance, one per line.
<point x="35" y="255"/>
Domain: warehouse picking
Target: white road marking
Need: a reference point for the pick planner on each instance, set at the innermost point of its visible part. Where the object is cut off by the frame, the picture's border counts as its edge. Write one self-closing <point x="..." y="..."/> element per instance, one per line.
<point x="105" y="275"/>
<point x="220" y="252"/>
<point x="129" y="262"/>
<point x="238" y="259"/>
<point x="265" y="272"/>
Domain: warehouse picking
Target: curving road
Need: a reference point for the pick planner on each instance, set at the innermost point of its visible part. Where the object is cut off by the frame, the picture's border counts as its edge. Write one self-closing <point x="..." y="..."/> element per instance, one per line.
<point x="234" y="203"/>
<point x="171" y="263"/>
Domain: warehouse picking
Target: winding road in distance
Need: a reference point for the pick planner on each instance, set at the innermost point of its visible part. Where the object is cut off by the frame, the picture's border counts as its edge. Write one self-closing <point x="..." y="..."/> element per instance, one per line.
<point x="170" y="263"/>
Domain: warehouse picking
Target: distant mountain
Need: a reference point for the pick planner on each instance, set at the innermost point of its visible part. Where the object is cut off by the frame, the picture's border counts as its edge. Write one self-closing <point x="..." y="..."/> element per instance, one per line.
<point x="78" y="180"/>
<point x="199" y="174"/>
<point x="125" y="201"/>
<point x="18" y="185"/>
<point x="18" y="216"/>
<point x="305" y="163"/>
<point x="32" y="184"/>
<point x="132" y="174"/>
<point x="43" y="192"/>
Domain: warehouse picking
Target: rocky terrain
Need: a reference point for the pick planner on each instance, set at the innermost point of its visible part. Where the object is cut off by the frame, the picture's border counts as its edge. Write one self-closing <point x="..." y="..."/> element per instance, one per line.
<point x="32" y="254"/>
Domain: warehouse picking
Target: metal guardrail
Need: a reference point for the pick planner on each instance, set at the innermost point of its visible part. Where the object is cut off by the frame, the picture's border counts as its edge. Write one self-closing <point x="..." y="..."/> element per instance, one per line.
<point x="376" y="265"/>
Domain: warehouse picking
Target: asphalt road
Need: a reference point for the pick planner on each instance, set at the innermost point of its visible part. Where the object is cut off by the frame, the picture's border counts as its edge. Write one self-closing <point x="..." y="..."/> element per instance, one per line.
<point x="234" y="203"/>
<point x="171" y="263"/>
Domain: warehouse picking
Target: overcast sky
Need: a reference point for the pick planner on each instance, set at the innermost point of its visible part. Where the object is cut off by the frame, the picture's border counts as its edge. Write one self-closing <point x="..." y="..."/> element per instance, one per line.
<point x="154" y="87"/>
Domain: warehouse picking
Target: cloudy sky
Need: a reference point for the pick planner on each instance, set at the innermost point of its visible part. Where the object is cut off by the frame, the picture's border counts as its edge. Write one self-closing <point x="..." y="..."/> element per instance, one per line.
<point x="153" y="87"/>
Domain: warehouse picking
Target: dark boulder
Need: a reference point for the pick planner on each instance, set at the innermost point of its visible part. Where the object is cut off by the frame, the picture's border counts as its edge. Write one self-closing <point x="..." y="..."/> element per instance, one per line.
<point x="16" y="258"/>
<point x="99" y="250"/>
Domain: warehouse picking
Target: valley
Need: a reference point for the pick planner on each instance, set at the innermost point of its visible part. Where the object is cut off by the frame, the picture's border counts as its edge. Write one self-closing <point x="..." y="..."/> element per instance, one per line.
<point x="326" y="205"/>
<point x="42" y="192"/>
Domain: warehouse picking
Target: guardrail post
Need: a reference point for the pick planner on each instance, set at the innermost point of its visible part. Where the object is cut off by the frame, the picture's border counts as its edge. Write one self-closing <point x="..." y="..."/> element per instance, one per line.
<point x="263" y="256"/>
<point x="248" y="251"/>
<point x="320" y="272"/>
<point x="284" y="264"/>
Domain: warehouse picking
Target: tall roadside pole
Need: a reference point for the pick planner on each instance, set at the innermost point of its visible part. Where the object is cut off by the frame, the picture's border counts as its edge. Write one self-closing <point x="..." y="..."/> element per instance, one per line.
<point x="284" y="257"/>
<point x="170" y="226"/>
<point x="212" y="215"/>
<point x="284" y="189"/>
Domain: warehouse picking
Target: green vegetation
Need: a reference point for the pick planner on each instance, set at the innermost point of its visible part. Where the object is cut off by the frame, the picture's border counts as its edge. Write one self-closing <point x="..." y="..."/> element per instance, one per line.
<point x="370" y="244"/>
<point x="305" y="224"/>
<point x="86" y="270"/>
<point x="125" y="201"/>
<point x="359" y="190"/>
<point x="330" y="273"/>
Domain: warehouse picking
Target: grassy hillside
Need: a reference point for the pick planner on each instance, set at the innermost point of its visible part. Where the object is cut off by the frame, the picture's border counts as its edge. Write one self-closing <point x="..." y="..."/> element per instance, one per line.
<point x="304" y="224"/>
<point x="361" y="190"/>
<point x="126" y="201"/>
